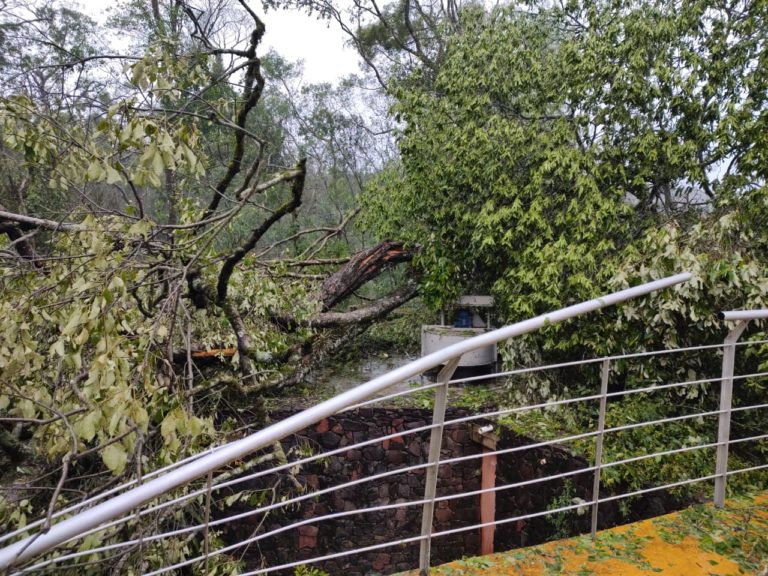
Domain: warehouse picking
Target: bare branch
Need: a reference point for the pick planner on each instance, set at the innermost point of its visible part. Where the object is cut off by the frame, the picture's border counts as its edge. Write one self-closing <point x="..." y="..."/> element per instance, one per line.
<point x="32" y="222"/>
<point x="315" y="262"/>
<point x="253" y="86"/>
<point x="328" y="232"/>
<point x="369" y="313"/>
<point x="292" y="204"/>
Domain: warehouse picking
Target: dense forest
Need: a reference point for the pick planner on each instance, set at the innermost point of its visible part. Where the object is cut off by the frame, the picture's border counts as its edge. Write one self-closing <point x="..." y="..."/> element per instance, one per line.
<point x="187" y="228"/>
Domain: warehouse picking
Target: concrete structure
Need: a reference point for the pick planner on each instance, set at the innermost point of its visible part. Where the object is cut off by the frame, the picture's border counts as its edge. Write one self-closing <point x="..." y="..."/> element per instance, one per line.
<point x="435" y="337"/>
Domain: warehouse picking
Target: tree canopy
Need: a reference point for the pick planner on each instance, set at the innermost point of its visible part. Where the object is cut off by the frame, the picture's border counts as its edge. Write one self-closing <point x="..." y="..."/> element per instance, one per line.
<point x="553" y="138"/>
<point x="560" y="151"/>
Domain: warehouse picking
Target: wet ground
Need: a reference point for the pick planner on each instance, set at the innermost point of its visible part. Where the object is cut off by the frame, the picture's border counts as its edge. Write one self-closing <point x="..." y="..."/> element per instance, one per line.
<point x="697" y="541"/>
<point x="334" y="379"/>
<point x="330" y="380"/>
<point x="337" y="379"/>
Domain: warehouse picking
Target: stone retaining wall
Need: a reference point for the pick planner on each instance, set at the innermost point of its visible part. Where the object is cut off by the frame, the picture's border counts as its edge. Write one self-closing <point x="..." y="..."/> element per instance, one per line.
<point x="372" y="528"/>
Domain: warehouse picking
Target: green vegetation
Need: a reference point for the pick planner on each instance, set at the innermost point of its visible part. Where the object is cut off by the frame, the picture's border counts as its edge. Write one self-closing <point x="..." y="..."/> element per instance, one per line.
<point x="308" y="571"/>
<point x="552" y="153"/>
<point x="563" y="524"/>
<point x="737" y="532"/>
<point x="180" y="237"/>
<point x="175" y="244"/>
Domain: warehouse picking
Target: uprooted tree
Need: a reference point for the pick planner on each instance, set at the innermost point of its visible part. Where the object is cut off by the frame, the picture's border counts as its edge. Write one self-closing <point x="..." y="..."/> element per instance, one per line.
<point x="157" y="267"/>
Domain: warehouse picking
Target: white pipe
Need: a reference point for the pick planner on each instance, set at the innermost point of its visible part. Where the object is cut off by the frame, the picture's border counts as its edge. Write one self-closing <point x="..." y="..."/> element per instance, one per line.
<point x="743" y="315"/>
<point x="497" y="488"/>
<point x="123" y="503"/>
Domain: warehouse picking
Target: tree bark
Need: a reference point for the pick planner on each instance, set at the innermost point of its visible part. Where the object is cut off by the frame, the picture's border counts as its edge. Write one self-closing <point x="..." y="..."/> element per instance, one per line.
<point x="21" y="241"/>
<point x="361" y="268"/>
<point x="369" y="313"/>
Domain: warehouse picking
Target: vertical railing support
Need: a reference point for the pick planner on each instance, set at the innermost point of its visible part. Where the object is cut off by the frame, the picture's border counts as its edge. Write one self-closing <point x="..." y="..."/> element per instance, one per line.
<point x="724" y="421"/>
<point x="604" y="374"/>
<point x="435" y="445"/>
<point x="488" y="500"/>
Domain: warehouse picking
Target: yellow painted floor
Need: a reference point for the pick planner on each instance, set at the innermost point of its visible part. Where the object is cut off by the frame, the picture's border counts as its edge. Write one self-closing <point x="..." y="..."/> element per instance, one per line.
<point x="700" y="540"/>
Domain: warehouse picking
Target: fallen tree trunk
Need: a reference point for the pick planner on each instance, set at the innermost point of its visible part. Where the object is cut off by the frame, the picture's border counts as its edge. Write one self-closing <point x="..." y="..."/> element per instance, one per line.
<point x="19" y="235"/>
<point x="368" y="313"/>
<point x="362" y="268"/>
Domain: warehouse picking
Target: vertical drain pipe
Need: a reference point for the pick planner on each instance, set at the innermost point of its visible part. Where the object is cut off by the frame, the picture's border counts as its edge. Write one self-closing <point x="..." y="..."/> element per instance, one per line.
<point x="435" y="445"/>
<point x="484" y="436"/>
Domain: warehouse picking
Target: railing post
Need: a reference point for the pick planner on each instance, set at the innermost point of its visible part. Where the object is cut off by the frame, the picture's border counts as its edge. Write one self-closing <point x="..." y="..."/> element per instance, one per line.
<point x="82" y="519"/>
<point x="724" y="420"/>
<point x="435" y="445"/>
<point x="606" y="370"/>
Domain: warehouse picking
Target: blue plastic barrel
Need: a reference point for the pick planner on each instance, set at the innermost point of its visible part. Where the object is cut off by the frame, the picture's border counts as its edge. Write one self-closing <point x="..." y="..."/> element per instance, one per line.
<point x="463" y="319"/>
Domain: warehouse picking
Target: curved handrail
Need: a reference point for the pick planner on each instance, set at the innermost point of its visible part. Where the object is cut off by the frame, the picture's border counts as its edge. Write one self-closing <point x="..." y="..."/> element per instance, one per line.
<point x="117" y="506"/>
<point x="735" y="315"/>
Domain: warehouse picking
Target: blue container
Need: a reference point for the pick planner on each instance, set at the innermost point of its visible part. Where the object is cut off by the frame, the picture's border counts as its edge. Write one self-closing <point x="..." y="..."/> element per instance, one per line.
<point x="463" y="319"/>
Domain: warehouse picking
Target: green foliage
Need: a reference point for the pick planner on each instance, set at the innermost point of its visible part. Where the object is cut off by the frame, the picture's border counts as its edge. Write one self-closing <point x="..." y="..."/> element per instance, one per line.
<point x="519" y="176"/>
<point x="492" y="175"/>
<point x="565" y="151"/>
<point x="305" y="570"/>
<point x="736" y="532"/>
<point x="478" y="563"/>
<point x="639" y="442"/>
<point x="399" y="333"/>
<point x="101" y="316"/>
<point x="564" y="524"/>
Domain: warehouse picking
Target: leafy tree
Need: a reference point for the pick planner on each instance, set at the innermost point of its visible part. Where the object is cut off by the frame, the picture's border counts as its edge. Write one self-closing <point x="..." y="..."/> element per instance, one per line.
<point x="492" y="172"/>
<point x="553" y="138"/>
<point x="44" y="47"/>
<point x="149" y="309"/>
<point x="562" y="151"/>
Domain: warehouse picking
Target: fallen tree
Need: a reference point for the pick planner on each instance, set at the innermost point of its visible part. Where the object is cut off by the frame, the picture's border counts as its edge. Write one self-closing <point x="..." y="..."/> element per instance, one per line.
<point x="150" y="247"/>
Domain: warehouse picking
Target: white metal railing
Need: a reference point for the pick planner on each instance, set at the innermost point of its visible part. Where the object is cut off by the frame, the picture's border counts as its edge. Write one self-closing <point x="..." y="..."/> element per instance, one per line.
<point x="120" y="505"/>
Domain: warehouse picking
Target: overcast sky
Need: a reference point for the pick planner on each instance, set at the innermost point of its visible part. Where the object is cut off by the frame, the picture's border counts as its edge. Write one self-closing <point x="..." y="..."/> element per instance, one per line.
<point x="294" y="35"/>
<point x="297" y="36"/>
